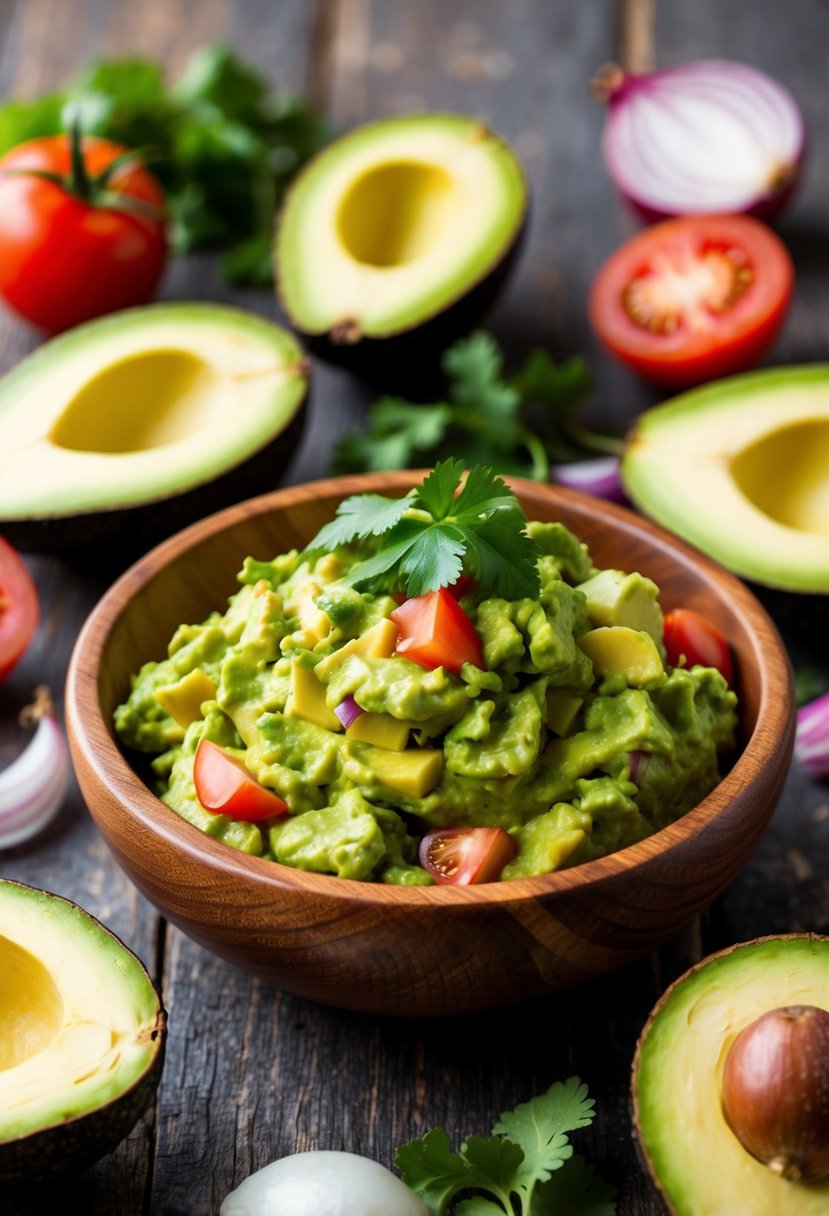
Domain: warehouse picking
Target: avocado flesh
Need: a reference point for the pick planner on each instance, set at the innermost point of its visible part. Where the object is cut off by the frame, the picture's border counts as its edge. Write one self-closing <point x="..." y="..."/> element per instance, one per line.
<point x="394" y="223"/>
<point x="142" y="405"/>
<point x="696" y="1160"/>
<point x="81" y="1035"/>
<point x="740" y="468"/>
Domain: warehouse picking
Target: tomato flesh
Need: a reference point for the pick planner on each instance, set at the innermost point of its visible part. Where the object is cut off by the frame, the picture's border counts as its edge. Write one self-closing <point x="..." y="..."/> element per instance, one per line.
<point x="19" y="608"/>
<point x="693" y="298"/>
<point x="690" y="636"/>
<point x="460" y="856"/>
<point x="64" y="260"/>
<point x="225" y="787"/>
<point x="434" y="631"/>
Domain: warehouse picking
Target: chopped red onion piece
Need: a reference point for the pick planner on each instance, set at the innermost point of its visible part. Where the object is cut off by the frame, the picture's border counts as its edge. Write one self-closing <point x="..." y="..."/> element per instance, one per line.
<point x="348" y="711"/>
<point x="599" y="477"/>
<point x="811" y="743"/>
<point x="701" y="138"/>
<point x="639" y="763"/>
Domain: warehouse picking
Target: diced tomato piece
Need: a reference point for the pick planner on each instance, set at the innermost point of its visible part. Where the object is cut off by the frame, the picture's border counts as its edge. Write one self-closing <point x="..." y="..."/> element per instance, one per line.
<point x="689" y="634"/>
<point x="436" y="632"/>
<point x="19" y="608"/>
<point x="225" y="787"/>
<point x="460" y="856"/>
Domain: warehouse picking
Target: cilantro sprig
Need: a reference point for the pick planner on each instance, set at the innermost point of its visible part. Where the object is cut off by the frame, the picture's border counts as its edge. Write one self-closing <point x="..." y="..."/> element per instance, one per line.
<point x="429" y="537"/>
<point x="526" y="1168"/>
<point x="518" y="425"/>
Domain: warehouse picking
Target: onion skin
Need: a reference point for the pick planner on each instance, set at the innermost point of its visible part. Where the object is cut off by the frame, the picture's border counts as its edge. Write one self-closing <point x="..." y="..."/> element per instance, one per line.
<point x="775" y="1091"/>
<point x="662" y="139"/>
<point x="34" y="786"/>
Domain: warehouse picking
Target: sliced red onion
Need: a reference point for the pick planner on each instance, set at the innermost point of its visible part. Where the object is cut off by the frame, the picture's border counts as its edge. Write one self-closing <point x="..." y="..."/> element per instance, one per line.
<point x="33" y="787"/>
<point x="599" y="477"/>
<point x="811" y="743"/>
<point x="639" y="764"/>
<point x="704" y="137"/>
<point x="348" y="711"/>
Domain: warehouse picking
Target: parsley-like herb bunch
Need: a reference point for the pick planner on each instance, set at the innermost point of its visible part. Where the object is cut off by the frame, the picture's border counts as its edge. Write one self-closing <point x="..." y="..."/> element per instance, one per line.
<point x="518" y="425"/>
<point x="526" y="1168"/>
<point x="429" y="537"/>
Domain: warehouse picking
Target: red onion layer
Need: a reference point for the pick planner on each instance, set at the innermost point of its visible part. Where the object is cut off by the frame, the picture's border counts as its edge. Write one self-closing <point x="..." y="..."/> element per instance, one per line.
<point x="599" y="477"/>
<point x="811" y="744"/>
<point x="705" y="137"/>
<point x="348" y="711"/>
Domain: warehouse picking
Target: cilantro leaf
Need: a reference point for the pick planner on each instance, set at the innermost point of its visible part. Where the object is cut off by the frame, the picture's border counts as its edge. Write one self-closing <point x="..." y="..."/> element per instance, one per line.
<point x="434" y="560"/>
<point x="477" y="1205"/>
<point x="359" y="516"/>
<point x="502" y="557"/>
<point x="481" y="493"/>
<point x="494" y="1163"/>
<point x="540" y="1127"/>
<point x="400" y="432"/>
<point x="437" y="490"/>
<point x="430" y="1168"/>
<point x="576" y="1187"/>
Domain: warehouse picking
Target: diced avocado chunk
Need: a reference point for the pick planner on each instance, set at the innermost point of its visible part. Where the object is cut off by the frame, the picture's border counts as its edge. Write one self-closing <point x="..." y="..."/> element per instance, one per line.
<point x="546" y="842"/>
<point x="415" y="773"/>
<point x="562" y="710"/>
<point x="616" y="598"/>
<point x="376" y="643"/>
<point x="183" y="700"/>
<point x="616" y="650"/>
<point x="343" y="839"/>
<point x="311" y="618"/>
<point x="307" y="699"/>
<point x="381" y="730"/>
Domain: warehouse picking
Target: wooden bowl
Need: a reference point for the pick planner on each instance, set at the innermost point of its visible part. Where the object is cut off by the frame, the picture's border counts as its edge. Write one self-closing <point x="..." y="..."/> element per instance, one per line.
<point x="419" y="950"/>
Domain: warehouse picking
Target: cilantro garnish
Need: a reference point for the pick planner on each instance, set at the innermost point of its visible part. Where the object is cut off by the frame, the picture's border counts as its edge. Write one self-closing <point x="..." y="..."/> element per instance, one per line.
<point x="435" y="532"/>
<point x="517" y="425"/>
<point x="526" y="1168"/>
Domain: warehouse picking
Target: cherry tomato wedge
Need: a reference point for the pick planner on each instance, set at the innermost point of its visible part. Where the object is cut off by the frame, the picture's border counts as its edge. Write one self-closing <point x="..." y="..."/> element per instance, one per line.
<point x="436" y="632"/>
<point x="225" y="787"/>
<point x="66" y="257"/>
<point x="693" y="298"/>
<point x="19" y="608"/>
<point x="460" y="856"/>
<point x="689" y="634"/>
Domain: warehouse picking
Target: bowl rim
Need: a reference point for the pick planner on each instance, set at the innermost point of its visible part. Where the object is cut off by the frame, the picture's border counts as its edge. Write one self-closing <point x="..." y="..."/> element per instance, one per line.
<point x="92" y="740"/>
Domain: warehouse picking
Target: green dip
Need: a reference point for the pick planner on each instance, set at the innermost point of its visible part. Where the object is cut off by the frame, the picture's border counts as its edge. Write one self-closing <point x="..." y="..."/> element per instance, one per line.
<point x="574" y="701"/>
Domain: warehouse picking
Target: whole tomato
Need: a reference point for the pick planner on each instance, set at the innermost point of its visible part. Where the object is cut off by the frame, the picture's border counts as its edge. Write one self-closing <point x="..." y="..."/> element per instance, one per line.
<point x="77" y="237"/>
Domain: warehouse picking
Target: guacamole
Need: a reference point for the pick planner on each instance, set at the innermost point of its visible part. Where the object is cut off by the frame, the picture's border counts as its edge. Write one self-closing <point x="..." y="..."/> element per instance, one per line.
<point x="575" y="737"/>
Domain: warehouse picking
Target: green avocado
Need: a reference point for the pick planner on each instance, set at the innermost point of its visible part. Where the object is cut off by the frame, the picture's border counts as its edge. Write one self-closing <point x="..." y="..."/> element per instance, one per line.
<point x="83" y="1036"/>
<point x="396" y="237"/>
<point x="156" y="414"/>
<point x="696" y="1161"/>
<point x="740" y="468"/>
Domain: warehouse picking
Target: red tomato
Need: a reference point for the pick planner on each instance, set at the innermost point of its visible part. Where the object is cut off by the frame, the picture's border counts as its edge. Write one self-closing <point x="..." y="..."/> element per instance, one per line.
<point x="465" y="855"/>
<point x="225" y="787"/>
<point x="64" y="260"/>
<point x="693" y="298"/>
<point x="436" y="632"/>
<point x="19" y="608"/>
<point x="689" y="634"/>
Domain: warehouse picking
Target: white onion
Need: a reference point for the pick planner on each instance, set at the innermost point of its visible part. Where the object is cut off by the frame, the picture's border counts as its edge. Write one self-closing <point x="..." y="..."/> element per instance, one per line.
<point x="701" y="138"/>
<point x="33" y="787"/>
<point x="323" y="1184"/>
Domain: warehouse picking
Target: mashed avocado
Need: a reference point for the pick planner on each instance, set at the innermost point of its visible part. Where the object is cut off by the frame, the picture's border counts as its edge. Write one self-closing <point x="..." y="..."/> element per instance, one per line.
<point x="543" y="742"/>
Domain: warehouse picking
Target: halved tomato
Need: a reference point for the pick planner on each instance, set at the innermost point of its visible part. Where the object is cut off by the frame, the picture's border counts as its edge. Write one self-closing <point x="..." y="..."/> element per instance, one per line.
<point x="436" y="632"/>
<point x="461" y="856"/>
<point x="693" y="298"/>
<point x="225" y="787"/>
<point x="688" y="634"/>
<point x="19" y="608"/>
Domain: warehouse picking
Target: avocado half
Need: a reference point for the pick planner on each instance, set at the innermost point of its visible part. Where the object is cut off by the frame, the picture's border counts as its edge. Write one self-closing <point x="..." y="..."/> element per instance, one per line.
<point x="396" y="237"/>
<point x="82" y="1036"/>
<point x="140" y="422"/>
<point x="696" y="1161"/>
<point x="740" y="468"/>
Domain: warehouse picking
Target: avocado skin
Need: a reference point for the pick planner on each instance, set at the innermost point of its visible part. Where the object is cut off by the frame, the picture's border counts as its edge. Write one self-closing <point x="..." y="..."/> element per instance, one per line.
<point x="410" y="358"/>
<point x="132" y="530"/>
<point x="69" y="1148"/>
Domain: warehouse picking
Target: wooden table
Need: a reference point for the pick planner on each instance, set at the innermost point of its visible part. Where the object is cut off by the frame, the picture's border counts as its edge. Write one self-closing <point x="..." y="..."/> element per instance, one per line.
<point x="251" y="1073"/>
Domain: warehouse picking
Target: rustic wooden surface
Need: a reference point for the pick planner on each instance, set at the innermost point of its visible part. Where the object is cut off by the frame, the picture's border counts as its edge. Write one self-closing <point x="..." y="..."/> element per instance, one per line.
<point x="251" y="1073"/>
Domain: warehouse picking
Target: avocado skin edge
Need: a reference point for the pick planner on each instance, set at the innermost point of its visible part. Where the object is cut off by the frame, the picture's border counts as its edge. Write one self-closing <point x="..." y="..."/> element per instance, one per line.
<point x="132" y="530"/>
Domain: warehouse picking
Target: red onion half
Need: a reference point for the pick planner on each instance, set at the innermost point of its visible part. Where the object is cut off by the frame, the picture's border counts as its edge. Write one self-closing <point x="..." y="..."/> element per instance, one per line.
<point x="599" y="477"/>
<point x="811" y="743"/>
<point x="705" y="137"/>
